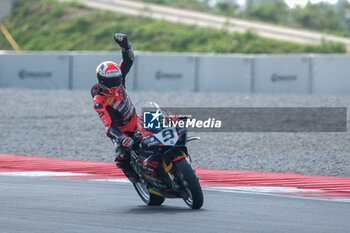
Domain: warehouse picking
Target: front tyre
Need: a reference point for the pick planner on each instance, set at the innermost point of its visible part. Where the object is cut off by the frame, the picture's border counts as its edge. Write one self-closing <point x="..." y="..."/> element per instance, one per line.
<point x="190" y="182"/>
<point x="149" y="198"/>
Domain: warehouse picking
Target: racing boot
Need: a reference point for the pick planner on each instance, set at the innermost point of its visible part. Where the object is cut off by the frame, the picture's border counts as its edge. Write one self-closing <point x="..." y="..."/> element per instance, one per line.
<point x="122" y="161"/>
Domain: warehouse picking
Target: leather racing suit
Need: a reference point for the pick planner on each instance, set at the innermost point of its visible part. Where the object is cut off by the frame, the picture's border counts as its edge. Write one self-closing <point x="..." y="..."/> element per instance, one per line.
<point x="118" y="114"/>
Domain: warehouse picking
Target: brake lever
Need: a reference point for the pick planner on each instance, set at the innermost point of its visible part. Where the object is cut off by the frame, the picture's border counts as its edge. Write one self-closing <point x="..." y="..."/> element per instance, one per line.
<point x="195" y="138"/>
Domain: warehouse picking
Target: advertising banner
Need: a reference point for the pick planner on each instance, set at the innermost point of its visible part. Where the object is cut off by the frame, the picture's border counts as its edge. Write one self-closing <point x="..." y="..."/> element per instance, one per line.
<point x="35" y="71"/>
<point x="282" y="74"/>
<point x="165" y="72"/>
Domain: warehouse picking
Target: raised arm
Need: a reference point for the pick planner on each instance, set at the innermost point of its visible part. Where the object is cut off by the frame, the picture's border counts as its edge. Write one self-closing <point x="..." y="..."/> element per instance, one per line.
<point x="127" y="52"/>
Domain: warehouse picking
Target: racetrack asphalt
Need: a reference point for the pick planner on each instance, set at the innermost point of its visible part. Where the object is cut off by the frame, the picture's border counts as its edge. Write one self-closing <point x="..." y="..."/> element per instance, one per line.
<point x="33" y="204"/>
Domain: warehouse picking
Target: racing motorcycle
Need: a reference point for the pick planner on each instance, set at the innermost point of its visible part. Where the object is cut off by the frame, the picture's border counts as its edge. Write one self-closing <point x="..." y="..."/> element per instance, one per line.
<point x="160" y="158"/>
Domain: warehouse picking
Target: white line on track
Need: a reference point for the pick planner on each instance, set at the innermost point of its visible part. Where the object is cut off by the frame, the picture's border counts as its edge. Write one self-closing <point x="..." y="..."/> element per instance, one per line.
<point x="281" y="194"/>
<point x="262" y="190"/>
<point x="113" y="180"/>
<point x="41" y="173"/>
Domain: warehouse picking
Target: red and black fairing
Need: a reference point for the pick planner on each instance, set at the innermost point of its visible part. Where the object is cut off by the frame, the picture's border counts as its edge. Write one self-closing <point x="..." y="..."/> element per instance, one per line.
<point x="154" y="156"/>
<point x="150" y="139"/>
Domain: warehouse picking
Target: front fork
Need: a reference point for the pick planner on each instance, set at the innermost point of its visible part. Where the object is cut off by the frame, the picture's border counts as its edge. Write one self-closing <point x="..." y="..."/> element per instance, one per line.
<point x="169" y="171"/>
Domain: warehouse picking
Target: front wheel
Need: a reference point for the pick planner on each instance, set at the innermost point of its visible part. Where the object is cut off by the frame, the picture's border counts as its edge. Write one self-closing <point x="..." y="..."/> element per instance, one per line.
<point x="190" y="182"/>
<point x="149" y="198"/>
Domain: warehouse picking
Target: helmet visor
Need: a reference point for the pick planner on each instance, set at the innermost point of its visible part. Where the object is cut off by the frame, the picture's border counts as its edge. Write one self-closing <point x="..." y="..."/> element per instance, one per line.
<point x="110" y="82"/>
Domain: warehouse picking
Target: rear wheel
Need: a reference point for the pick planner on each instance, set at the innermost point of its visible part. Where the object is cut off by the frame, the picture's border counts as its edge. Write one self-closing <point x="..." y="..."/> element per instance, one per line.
<point x="149" y="198"/>
<point x="190" y="182"/>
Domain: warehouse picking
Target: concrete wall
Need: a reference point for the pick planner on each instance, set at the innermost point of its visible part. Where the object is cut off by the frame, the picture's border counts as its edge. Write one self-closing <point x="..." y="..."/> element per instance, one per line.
<point x="281" y="74"/>
<point x="165" y="72"/>
<point x="299" y="74"/>
<point x="331" y="74"/>
<point x="35" y="71"/>
<point x="224" y="73"/>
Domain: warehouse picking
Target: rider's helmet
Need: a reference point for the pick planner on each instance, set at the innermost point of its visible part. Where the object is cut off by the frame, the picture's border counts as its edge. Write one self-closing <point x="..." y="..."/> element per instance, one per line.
<point x="109" y="75"/>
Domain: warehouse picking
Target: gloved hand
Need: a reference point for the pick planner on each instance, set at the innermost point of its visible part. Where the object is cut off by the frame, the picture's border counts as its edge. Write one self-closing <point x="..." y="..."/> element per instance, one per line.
<point x="122" y="40"/>
<point x="113" y="133"/>
<point x="127" y="142"/>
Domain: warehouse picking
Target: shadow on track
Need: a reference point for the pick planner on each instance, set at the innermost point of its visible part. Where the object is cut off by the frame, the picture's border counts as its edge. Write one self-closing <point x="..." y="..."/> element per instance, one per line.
<point x="164" y="209"/>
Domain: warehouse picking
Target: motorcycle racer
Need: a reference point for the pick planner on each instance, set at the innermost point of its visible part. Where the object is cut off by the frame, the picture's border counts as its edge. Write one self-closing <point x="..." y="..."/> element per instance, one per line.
<point x="114" y="106"/>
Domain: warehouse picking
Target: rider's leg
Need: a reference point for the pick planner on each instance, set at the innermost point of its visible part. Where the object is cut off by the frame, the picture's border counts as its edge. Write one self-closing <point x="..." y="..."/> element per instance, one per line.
<point x="122" y="160"/>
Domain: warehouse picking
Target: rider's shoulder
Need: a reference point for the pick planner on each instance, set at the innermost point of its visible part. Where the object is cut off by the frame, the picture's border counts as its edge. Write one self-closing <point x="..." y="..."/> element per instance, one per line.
<point x="99" y="101"/>
<point x="95" y="90"/>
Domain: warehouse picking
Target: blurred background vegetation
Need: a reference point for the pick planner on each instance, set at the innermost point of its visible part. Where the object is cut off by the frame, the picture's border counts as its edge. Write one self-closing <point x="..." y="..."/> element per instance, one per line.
<point x="52" y="25"/>
<point x="324" y="17"/>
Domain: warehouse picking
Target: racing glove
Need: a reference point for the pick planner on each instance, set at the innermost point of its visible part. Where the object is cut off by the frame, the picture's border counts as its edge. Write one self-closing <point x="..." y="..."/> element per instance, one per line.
<point x="114" y="134"/>
<point x="122" y="40"/>
<point x="127" y="142"/>
<point x="119" y="138"/>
